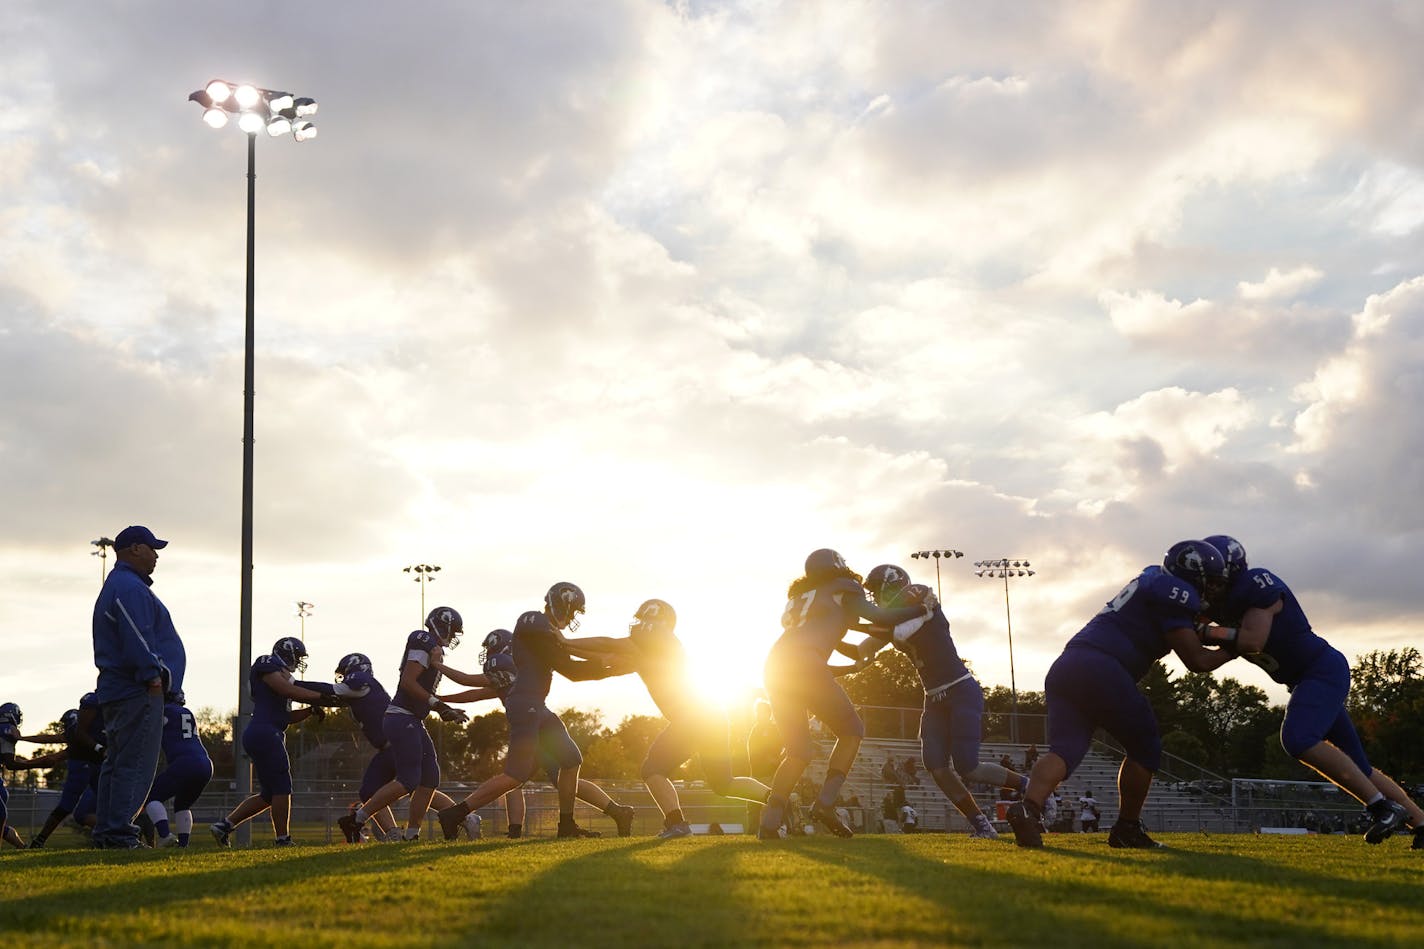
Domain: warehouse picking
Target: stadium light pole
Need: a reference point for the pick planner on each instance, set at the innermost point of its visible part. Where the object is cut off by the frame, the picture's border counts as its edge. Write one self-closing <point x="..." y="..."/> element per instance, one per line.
<point x="936" y="554"/>
<point x="304" y="609"/>
<point x="277" y="113"/>
<point x="424" y="573"/>
<point x="1004" y="568"/>
<point x="103" y="543"/>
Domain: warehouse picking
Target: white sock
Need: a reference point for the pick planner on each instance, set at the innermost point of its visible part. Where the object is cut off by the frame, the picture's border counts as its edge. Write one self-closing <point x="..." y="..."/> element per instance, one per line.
<point x="1379" y="796"/>
<point x="183" y="822"/>
<point x="156" y="811"/>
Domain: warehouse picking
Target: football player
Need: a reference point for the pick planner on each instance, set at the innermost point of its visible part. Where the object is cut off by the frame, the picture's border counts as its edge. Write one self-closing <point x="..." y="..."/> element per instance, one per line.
<point x="497" y="660"/>
<point x="822" y="605"/>
<point x="83" y="734"/>
<point x="1093" y="685"/>
<point x="416" y="766"/>
<point x="274" y="687"/>
<point x="653" y="651"/>
<point x="953" y="713"/>
<point x="358" y="687"/>
<point x="1261" y="620"/>
<point x="539" y="651"/>
<point x="10" y="718"/>
<point x="187" y="772"/>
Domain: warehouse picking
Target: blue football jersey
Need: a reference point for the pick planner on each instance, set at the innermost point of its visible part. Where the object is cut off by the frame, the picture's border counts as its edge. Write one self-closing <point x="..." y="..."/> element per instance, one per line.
<point x="369" y="710"/>
<point x="817" y="619"/>
<point x="420" y="646"/>
<point x="1292" y="646"/>
<point x="534" y="637"/>
<point x="268" y="708"/>
<point x="932" y="651"/>
<point x="180" y="734"/>
<point x="1132" y="626"/>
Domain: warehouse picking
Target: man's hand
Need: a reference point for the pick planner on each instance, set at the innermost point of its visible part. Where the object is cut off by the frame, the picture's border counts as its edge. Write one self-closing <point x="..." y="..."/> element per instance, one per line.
<point x="448" y="713"/>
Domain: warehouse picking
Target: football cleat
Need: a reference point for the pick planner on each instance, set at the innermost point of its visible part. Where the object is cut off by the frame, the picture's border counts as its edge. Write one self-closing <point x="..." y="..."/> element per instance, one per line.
<point x="472" y="826"/>
<point x="681" y="829"/>
<point x="450" y="821"/>
<point x="170" y="841"/>
<point x="572" y="829"/>
<point x="1023" y="818"/>
<point x="350" y="827"/>
<point x="286" y="841"/>
<point x="37" y="843"/>
<point x="771" y="833"/>
<point x="1130" y="834"/>
<point x="981" y="829"/>
<point x="222" y="830"/>
<point x="1387" y="817"/>
<point x="827" y="818"/>
<point x="515" y="832"/>
<point x="623" y="816"/>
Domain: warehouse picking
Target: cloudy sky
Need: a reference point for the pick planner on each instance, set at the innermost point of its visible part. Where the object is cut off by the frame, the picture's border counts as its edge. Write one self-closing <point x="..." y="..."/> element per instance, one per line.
<point x="658" y="297"/>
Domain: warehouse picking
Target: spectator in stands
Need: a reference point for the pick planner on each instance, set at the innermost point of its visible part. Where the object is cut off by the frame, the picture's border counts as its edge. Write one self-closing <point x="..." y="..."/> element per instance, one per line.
<point x="889" y="773"/>
<point x="887" y="807"/>
<point x="909" y="819"/>
<point x="1030" y="757"/>
<point x="1088" y="812"/>
<point x="1007" y="762"/>
<point x="912" y="772"/>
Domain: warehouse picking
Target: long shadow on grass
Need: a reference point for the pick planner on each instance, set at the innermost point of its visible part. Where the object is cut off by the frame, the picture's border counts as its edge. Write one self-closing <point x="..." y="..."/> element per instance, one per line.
<point x="120" y="883"/>
<point x="615" y="896"/>
<point x="1023" y="904"/>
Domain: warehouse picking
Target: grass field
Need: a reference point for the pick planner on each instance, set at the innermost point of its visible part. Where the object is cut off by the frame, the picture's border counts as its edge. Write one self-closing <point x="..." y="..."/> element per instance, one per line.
<point x="725" y="891"/>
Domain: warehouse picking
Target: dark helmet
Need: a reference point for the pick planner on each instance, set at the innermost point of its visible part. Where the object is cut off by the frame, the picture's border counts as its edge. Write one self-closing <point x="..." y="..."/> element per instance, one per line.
<point x="496" y="642"/>
<point x="564" y="602"/>
<point x="1232" y="550"/>
<point x="886" y="582"/>
<point x="351" y="663"/>
<point x="291" y="651"/>
<point x="1197" y="563"/>
<point x="446" y="624"/>
<point x="653" y="622"/>
<point x="10" y="714"/>
<point x="824" y="561"/>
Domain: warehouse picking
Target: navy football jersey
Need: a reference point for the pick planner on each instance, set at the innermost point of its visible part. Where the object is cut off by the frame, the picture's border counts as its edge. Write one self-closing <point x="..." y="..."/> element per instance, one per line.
<point x="931" y="648"/>
<point x="420" y="646"/>
<point x="502" y="662"/>
<point x="1292" y="646"/>
<point x="534" y="637"/>
<point x="9" y="738"/>
<point x="664" y="672"/>
<point x="368" y="708"/>
<point x="180" y="734"/>
<point x="268" y="708"/>
<point x="1132" y="626"/>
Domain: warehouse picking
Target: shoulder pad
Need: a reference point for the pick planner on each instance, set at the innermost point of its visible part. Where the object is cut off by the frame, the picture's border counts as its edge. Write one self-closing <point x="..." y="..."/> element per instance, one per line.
<point x="1159" y="585"/>
<point x="533" y="622"/>
<point x="422" y="639"/>
<point x="265" y="664"/>
<point x="361" y="679"/>
<point x="500" y="662"/>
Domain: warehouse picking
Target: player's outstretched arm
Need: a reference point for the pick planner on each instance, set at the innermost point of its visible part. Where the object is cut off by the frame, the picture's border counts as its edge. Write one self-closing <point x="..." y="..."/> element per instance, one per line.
<point x="471" y="695"/>
<point x="1195" y="656"/>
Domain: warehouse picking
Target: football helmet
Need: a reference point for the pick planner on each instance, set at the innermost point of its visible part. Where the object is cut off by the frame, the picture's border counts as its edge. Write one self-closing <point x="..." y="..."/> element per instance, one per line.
<point x="653" y="622"/>
<point x="564" y="602"/>
<point x="824" y="561"/>
<point x="886" y="583"/>
<point x="291" y="651"/>
<point x="496" y="642"/>
<point x="176" y="698"/>
<point x="10" y="714"/>
<point x="446" y="624"/>
<point x="1198" y="563"/>
<point x="1231" y="549"/>
<point x="69" y="720"/>
<point x="352" y="662"/>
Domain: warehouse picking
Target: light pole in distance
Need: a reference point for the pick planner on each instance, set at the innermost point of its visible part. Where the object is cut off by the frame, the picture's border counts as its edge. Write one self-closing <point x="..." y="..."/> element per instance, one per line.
<point x="104" y="544"/>
<point x="936" y="554"/>
<point x="304" y="609"/>
<point x="1004" y="568"/>
<point x="424" y="573"/>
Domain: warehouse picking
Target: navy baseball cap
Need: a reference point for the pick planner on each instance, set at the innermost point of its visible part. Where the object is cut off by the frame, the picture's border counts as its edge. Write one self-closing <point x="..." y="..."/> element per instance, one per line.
<point x="138" y="535"/>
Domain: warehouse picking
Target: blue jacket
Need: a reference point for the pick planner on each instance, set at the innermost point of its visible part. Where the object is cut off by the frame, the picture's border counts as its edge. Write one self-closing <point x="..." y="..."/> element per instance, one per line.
<point x="134" y="638"/>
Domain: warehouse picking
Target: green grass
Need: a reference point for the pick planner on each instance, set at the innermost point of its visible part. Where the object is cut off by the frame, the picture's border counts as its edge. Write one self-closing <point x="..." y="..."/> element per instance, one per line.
<point x="731" y="891"/>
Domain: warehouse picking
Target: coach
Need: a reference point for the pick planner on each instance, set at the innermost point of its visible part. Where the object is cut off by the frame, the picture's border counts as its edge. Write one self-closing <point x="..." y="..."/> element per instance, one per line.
<point x="140" y="658"/>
